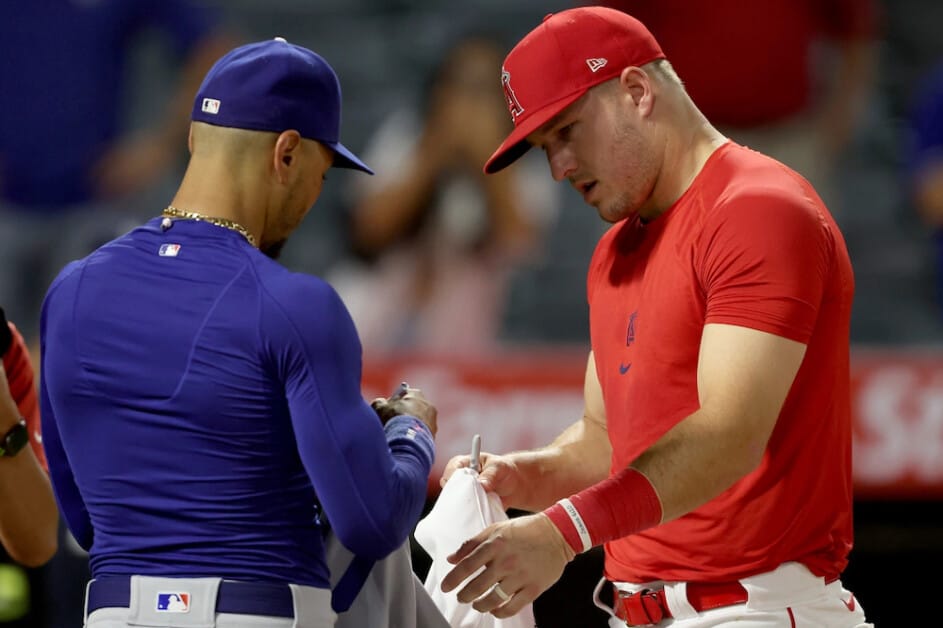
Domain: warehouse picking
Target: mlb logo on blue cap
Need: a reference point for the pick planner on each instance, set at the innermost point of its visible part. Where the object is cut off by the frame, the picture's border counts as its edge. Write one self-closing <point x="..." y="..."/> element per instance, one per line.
<point x="168" y="250"/>
<point x="178" y="602"/>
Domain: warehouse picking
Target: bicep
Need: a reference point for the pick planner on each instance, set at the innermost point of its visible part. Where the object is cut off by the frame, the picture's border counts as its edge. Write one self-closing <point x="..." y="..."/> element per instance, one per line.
<point x="744" y="375"/>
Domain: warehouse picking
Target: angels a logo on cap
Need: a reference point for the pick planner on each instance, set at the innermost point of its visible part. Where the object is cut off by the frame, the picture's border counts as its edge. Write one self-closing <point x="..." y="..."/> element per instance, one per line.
<point x="513" y="105"/>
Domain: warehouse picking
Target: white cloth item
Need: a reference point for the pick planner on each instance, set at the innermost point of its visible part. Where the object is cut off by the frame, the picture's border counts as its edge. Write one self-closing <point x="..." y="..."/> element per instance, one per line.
<point x="462" y="510"/>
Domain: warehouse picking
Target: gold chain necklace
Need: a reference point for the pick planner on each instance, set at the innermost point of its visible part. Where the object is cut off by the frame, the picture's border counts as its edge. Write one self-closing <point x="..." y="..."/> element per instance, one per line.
<point x="170" y="210"/>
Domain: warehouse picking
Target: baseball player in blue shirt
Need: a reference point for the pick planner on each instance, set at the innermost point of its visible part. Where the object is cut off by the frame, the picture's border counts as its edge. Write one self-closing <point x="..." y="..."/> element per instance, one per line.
<point x="201" y="405"/>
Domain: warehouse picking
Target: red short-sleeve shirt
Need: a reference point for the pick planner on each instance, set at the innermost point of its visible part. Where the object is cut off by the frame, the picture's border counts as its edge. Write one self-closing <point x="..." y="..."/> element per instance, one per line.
<point x="748" y="244"/>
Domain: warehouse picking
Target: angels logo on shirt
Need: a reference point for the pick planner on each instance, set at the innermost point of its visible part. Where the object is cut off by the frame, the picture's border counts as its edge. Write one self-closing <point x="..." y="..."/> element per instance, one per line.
<point x="514" y="106"/>
<point x="630" y="329"/>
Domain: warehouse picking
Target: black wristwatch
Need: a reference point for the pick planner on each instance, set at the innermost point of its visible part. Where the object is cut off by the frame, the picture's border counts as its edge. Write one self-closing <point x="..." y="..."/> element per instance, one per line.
<point x="14" y="440"/>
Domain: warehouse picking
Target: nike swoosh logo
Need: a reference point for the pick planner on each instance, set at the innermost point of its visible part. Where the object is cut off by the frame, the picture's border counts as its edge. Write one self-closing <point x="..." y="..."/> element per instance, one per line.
<point x="624" y="368"/>
<point x="850" y="603"/>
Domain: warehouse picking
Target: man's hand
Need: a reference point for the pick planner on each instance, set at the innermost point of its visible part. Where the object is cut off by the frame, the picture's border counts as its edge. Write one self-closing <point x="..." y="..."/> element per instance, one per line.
<point x="523" y="556"/>
<point x="411" y="402"/>
<point x="499" y="474"/>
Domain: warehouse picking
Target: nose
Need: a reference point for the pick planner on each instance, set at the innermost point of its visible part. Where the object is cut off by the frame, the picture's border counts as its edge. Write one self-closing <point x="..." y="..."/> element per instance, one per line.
<point x="562" y="163"/>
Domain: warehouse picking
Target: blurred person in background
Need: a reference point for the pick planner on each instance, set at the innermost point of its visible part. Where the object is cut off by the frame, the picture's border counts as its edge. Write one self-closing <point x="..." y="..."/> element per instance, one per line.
<point x="435" y="241"/>
<point x="66" y="155"/>
<point x="924" y="163"/>
<point x="788" y="78"/>
<point x="28" y="512"/>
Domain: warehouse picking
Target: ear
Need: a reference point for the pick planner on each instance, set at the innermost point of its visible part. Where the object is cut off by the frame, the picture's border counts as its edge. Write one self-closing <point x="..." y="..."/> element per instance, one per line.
<point x="638" y="84"/>
<point x="286" y="155"/>
<point x="190" y="139"/>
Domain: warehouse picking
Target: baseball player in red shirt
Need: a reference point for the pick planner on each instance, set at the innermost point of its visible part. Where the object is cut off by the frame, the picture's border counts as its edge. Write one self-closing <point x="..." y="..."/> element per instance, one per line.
<point x="713" y="458"/>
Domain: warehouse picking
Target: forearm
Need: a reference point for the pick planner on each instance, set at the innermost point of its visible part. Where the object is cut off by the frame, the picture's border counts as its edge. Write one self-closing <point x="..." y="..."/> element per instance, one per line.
<point x="744" y="376"/>
<point x="697" y="460"/>
<point x="512" y="231"/>
<point x="382" y="216"/>
<point x="686" y="468"/>
<point x="372" y="485"/>
<point x="29" y="516"/>
<point x="576" y="459"/>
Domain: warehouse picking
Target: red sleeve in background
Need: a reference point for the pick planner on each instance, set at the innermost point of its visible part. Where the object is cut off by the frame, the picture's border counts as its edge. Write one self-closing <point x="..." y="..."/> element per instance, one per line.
<point x="19" y="372"/>
<point x="747" y="64"/>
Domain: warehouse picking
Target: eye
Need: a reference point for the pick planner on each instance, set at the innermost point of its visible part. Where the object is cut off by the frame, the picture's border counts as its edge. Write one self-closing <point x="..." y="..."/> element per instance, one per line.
<point x="564" y="132"/>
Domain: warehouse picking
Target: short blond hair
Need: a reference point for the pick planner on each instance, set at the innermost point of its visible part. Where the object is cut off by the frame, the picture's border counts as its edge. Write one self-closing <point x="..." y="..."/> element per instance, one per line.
<point x="663" y="69"/>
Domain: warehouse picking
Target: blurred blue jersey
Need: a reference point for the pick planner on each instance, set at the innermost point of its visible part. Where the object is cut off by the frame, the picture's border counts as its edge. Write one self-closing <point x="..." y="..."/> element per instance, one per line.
<point x="198" y="400"/>
<point x="64" y="79"/>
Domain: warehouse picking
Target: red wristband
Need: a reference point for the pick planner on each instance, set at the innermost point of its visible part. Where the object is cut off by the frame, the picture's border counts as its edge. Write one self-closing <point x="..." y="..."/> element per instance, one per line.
<point x="621" y="505"/>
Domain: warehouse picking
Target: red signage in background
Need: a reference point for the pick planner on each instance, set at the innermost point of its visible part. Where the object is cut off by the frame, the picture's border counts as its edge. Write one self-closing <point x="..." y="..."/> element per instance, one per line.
<point x="897" y="407"/>
<point x="521" y="400"/>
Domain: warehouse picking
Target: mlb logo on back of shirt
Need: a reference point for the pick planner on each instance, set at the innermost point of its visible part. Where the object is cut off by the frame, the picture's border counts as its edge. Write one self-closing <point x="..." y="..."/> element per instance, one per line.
<point x="168" y="250"/>
<point x="210" y="105"/>
<point x="178" y="602"/>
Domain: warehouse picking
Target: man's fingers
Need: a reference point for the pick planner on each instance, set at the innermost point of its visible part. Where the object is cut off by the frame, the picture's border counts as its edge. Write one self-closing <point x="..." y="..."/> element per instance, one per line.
<point x="487" y="478"/>
<point x="467" y="548"/>
<point x="517" y="602"/>
<point x="458" y="462"/>
<point x="479" y="588"/>
<point x="467" y="559"/>
<point x="496" y="595"/>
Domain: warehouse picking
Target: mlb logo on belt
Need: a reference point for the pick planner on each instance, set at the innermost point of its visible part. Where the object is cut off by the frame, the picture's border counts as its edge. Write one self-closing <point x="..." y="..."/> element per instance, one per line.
<point x="177" y="602"/>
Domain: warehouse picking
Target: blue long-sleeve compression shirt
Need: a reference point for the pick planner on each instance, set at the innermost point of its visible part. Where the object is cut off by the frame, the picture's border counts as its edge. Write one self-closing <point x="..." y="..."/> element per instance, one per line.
<point x="198" y="401"/>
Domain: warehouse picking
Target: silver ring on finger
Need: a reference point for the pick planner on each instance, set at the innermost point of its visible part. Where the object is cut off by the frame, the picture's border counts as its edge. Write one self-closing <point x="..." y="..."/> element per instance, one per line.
<point x="500" y="592"/>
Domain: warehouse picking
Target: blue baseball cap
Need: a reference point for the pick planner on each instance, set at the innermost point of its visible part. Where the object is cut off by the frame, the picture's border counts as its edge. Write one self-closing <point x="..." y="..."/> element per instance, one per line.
<point x="276" y="86"/>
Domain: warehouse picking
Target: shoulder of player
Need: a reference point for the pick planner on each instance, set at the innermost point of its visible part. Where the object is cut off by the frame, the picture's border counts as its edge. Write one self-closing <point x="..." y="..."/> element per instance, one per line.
<point x="297" y="294"/>
<point x="69" y="273"/>
<point x="757" y="188"/>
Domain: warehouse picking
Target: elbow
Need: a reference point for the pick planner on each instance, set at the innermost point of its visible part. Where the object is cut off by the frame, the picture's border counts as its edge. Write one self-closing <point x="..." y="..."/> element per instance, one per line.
<point x="35" y="554"/>
<point x="374" y="540"/>
<point x="42" y="554"/>
<point x="753" y="452"/>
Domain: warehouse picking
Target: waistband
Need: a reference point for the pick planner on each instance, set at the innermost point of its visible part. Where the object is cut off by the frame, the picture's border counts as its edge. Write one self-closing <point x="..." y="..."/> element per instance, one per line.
<point x="245" y="598"/>
<point x="647" y="607"/>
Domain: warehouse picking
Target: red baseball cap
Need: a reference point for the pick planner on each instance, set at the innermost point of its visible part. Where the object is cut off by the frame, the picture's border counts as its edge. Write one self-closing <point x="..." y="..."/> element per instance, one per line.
<point x="557" y="62"/>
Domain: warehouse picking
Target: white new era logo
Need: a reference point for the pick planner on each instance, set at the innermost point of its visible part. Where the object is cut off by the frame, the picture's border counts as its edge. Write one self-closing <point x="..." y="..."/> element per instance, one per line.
<point x="211" y="105"/>
<point x="594" y="65"/>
